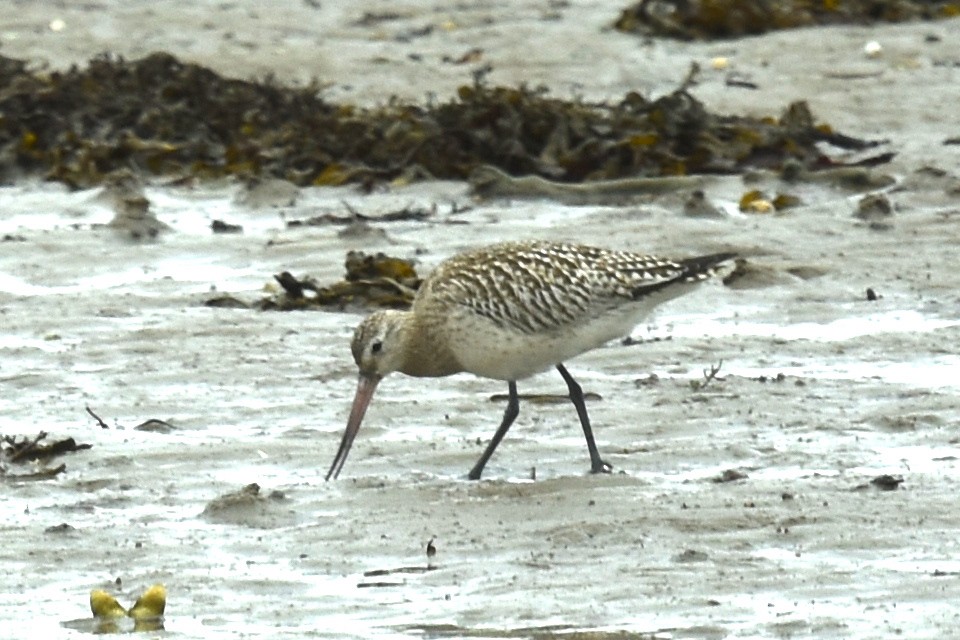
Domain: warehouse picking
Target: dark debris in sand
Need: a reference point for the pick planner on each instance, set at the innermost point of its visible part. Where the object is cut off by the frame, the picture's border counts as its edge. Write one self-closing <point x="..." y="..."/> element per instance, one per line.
<point x="34" y="450"/>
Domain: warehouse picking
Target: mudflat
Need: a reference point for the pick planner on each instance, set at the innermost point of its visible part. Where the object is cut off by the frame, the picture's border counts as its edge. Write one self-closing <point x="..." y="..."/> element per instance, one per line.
<point x="742" y="507"/>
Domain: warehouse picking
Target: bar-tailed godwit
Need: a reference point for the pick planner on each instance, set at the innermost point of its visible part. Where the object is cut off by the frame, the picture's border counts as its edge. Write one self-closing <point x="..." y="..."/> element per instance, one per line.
<point x="512" y="310"/>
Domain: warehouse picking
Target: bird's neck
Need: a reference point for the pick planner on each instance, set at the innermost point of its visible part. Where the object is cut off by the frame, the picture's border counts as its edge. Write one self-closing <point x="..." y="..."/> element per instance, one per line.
<point x="425" y="352"/>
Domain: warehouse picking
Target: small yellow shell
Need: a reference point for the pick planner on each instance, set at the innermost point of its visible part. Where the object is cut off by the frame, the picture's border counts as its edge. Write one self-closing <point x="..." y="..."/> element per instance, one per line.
<point x="103" y="605"/>
<point x="719" y="63"/>
<point x="151" y="604"/>
<point x="760" y="206"/>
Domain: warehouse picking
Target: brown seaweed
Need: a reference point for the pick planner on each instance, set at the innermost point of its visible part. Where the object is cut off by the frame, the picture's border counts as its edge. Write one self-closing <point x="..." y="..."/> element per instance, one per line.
<point x="32" y="449"/>
<point x="163" y="117"/>
<point x="371" y="282"/>
<point x="704" y="19"/>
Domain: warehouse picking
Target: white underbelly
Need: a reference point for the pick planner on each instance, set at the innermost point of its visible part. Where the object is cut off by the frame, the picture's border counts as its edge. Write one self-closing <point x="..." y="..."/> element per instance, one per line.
<point x="485" y="349"/>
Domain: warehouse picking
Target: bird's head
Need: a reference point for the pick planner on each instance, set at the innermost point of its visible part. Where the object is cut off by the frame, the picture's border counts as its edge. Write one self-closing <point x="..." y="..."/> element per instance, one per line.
<point x="378" y="343"/>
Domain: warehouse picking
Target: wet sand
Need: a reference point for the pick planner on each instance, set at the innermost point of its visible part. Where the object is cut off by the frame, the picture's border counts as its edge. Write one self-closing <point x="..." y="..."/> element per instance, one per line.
<point x="804" y="546"/>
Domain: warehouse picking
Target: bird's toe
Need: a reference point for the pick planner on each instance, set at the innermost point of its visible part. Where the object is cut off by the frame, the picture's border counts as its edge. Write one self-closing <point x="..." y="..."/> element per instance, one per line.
<point x="601" y="467"/>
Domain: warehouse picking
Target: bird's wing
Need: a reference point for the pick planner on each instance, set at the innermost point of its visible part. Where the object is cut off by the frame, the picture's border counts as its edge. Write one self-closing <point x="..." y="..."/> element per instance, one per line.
<point x="535" y="288"/>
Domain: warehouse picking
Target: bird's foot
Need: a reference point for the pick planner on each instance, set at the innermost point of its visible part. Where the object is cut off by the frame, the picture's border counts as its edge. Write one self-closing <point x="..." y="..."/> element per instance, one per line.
<point x="599" y="466"/>
<point x="475" y="473"/>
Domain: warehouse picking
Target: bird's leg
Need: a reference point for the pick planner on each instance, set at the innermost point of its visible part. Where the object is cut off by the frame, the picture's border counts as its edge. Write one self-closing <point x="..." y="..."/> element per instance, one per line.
<point x="509" y="415"/>
<point x="576" y="396"/>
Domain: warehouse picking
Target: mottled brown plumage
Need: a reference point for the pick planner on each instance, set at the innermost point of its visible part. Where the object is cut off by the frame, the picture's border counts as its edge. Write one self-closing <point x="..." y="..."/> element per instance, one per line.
<point x="512" y="310"/>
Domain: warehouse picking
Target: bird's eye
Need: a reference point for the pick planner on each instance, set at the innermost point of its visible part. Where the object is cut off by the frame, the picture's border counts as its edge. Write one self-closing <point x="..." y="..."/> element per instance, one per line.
<point x="376" y="347"/>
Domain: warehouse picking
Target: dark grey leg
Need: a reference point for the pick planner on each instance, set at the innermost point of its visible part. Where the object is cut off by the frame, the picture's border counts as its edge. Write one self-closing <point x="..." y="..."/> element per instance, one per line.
<point x="509" y="415"/>
<point x="576" y="396"/>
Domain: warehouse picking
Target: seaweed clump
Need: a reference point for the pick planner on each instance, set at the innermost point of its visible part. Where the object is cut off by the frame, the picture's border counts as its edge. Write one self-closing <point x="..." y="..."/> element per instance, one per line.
<point x="35" y="450"/>
<point x="371" y="282"/>
<point x="160" y="116"/>
<point x="706" y="19"/>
